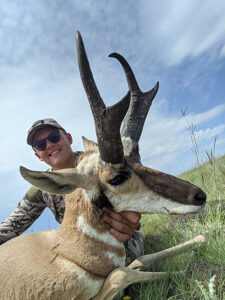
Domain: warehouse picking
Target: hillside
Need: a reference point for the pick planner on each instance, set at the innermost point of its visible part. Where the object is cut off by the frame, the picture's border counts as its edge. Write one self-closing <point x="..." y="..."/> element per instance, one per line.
<point x="210" y="177"/>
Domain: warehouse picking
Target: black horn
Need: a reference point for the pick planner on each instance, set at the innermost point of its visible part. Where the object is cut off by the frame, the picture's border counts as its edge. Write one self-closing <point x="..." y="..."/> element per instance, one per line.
<point x="140" y="104"/>
<point x="107" y="119"/>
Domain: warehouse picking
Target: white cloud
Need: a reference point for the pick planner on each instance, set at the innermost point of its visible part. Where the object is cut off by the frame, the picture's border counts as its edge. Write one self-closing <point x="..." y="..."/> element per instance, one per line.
<point x="182" y="29"/>
<point x="40" y="78"/>
<point x="176" y="125"/>
<point x="209" y="132"/>
<point x="166" y="138"/>
<point x="206" y="116"/>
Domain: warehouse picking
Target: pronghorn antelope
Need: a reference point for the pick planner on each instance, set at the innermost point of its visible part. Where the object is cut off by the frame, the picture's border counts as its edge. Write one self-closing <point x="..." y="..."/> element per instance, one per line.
<point x="73" y="261"/>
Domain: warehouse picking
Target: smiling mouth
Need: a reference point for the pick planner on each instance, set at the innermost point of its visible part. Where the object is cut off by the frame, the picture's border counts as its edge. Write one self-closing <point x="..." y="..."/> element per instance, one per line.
<point x="54" y="152"/>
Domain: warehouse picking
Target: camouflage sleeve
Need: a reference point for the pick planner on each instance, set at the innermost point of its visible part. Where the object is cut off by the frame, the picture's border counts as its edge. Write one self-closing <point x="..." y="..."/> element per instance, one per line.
<point x="27" y="211"/>
<point x="134" y="247"/>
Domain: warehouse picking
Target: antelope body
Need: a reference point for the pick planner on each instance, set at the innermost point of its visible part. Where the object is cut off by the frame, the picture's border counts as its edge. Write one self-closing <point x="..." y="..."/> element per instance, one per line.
<point x="73" y="261"/>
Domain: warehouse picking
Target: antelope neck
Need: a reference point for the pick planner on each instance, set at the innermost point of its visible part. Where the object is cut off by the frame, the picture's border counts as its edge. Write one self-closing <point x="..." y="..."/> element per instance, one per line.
<point x="84" y="234"/>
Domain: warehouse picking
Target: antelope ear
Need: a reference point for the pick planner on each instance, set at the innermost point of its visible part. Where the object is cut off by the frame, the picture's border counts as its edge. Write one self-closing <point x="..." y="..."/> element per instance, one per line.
<point x="89" y="145"/>
<point x="60" y="182"/>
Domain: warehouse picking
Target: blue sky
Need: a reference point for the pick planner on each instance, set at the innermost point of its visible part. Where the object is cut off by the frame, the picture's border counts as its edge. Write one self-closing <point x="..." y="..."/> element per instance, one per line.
<point x="176" y="42"/>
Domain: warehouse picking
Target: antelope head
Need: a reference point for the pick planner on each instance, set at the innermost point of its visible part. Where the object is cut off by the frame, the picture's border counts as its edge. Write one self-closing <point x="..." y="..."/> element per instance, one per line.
<point x="111" y="172"/>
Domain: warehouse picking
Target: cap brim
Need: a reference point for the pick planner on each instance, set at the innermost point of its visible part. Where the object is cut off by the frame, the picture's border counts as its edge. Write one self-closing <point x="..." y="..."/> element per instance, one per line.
<point x="36" y="129"/>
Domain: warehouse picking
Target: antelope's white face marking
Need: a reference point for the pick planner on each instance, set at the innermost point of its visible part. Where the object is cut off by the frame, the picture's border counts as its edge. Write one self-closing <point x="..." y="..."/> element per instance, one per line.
<point x="109" y="165"/>
<point x="89" y="164"/>
<point x="150" y="203"/>
<point x="91" y="193"/>
<point x="107" y="238"/>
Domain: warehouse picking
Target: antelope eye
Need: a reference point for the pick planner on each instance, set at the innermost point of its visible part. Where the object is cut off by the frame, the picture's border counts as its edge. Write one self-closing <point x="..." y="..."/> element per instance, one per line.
<point x="119" y="179"/>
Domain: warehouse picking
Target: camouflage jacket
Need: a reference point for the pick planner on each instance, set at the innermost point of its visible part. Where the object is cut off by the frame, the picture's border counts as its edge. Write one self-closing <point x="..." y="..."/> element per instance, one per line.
<point x="31" y="207"/>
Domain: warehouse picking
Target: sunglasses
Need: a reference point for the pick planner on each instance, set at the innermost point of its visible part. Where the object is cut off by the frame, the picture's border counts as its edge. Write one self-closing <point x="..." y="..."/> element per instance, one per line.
<point x="53" y="137"/>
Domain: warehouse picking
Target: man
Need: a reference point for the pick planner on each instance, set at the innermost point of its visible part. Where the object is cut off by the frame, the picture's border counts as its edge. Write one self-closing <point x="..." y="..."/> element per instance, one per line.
<point x="52" y="145"/>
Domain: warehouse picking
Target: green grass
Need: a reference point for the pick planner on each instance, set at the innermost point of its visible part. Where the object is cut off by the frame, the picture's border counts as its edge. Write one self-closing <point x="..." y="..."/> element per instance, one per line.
<point x="213" y="173"/>
<point x="204" y="276"/>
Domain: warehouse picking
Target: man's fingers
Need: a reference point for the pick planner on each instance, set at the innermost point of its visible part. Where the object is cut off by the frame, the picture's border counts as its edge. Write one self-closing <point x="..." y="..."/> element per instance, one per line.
<point x="119" y="236"/>
<point x="116" y="216"/>
<point x="120" y="227"/>
<point x="133" y="217"/>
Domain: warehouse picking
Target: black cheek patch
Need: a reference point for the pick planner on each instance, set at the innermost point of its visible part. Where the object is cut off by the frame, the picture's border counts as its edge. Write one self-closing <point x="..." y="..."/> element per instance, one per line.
<point x="119" y="179"/>
<point x="102" y="201"/>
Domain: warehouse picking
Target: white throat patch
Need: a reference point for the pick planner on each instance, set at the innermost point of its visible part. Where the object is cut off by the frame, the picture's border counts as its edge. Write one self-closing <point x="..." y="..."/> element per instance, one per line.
<point x="107" y="238"/>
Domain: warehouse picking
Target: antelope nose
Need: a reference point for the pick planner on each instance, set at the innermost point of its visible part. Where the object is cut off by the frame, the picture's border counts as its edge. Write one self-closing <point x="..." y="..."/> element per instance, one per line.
<point x="200" y="198"/>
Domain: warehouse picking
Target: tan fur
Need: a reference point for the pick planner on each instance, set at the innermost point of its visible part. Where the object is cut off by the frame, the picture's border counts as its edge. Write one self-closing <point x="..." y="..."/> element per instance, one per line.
<point x="72" y="261"/>
<point x="89" y="145"/>
<point x="50" y="261"/>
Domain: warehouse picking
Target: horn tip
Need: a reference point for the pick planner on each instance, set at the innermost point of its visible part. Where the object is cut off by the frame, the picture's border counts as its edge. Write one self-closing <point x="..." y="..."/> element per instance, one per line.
<point x="78" y="35"/>
<point x="156" y="87"/>
<point x="111" y="54"/>
<point x="115" y="55"/>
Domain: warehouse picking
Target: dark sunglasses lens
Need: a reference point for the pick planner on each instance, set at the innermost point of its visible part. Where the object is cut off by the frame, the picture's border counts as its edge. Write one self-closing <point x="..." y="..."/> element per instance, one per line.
<point x="54" y="137"/>
<point x="40" y="145"/>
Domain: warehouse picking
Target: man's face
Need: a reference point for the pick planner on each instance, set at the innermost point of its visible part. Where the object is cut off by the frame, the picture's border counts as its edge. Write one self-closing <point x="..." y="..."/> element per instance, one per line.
<point x="57" y="155"/>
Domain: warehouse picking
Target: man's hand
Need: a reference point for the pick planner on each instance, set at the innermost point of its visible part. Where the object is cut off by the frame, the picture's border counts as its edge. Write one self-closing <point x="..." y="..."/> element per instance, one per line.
<point x="122" y="225"/>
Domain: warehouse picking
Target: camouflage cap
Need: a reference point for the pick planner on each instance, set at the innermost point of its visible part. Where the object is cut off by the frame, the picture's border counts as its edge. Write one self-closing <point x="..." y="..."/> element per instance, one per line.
<point x="40" y="124"/>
